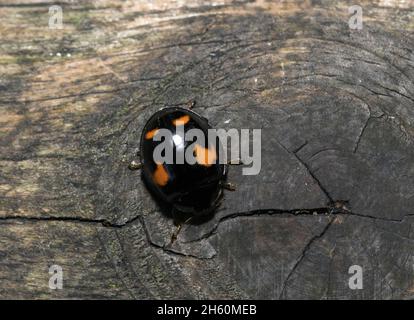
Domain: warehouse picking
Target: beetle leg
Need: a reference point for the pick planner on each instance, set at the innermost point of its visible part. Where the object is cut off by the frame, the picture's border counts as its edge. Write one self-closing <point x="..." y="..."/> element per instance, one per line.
<point x="219" y="201"/>
<point x="191" y="104"/>
<point x="134" y="165"/>
<point x="229" y="186"/>
<point x="175" y="234"/>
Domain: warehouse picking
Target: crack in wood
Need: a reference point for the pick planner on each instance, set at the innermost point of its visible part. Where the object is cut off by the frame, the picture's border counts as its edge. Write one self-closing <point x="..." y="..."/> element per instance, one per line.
<point x="309" y="170"/>
<point x="330" y="210"/>
<point x="302" y="256"/>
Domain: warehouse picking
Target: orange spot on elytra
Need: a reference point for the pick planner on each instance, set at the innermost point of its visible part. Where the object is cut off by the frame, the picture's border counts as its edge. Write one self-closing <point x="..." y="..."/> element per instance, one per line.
<point x="204" y="156"/>
<point x="150" y="134"/>
<point x="181" y="120"/>
<point x="160" y="175"/>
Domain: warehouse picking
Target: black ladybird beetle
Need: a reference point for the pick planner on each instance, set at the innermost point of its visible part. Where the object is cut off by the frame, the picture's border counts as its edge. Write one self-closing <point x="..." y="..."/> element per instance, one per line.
<point x="189" y="190"/>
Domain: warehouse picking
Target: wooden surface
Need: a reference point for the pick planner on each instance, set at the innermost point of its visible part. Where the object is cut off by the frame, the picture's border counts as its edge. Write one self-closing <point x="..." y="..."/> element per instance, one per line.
<point x="337" y="111"/>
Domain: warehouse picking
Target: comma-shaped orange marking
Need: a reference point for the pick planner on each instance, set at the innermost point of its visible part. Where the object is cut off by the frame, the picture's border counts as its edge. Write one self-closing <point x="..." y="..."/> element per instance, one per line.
<point x="181" y="120"/>
<point x="160" y="175"/>
<point x="204" y="156"/>
<point x="150" y="134"/>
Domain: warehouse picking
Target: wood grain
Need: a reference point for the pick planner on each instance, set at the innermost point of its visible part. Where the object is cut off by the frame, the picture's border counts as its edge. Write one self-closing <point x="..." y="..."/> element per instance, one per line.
<point x="336" y="109"/>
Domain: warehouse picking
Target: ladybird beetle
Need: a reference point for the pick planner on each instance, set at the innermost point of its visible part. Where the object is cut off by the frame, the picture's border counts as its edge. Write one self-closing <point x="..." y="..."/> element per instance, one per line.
<point x="189" y="190"/>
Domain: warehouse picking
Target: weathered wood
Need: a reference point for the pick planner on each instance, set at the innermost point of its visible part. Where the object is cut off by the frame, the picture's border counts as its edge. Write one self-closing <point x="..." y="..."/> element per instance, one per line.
<point x="337" y="111"/>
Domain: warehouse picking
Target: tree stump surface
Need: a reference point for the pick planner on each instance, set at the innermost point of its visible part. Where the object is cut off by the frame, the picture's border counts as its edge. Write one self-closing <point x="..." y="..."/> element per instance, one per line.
<point x="336" y="109"/>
